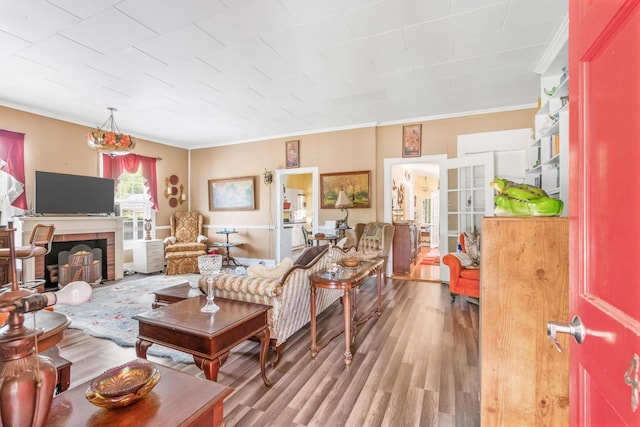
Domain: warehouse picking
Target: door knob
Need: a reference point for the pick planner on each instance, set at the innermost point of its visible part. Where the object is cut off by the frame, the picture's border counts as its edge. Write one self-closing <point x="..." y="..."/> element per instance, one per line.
<point x="575" y="329"/>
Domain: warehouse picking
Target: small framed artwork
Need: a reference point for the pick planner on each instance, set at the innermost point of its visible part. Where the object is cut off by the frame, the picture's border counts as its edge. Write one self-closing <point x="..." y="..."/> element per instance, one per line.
<point x="232" y="194"/>
<point x="411" y="140"/>
<point x="357" y="185"/>
<point x="292" y="152"/>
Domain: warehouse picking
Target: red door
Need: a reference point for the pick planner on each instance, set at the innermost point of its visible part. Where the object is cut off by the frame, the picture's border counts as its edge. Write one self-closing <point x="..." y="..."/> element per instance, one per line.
<point x="604" y="96"/>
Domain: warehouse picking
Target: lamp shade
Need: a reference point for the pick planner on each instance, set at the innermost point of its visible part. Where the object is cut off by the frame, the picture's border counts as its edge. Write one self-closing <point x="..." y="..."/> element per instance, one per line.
<point x="343" y="201"/>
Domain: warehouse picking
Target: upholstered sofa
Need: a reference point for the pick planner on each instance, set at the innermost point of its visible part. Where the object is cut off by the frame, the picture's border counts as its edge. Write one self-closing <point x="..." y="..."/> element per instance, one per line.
<point x="185" y="244"/>
<point x="288" y="295"/>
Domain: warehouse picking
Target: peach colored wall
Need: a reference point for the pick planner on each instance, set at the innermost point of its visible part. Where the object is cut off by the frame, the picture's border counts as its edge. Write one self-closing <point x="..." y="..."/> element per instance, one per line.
<point x="60" y="146"/>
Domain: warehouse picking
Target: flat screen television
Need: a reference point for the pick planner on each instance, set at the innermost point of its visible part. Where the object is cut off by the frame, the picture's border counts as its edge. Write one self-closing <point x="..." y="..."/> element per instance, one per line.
<point x="60" y="193"/>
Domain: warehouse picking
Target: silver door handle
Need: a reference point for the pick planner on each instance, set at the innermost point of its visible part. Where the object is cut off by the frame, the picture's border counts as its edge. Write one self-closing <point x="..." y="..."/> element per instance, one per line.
<point x="575" y="329"/>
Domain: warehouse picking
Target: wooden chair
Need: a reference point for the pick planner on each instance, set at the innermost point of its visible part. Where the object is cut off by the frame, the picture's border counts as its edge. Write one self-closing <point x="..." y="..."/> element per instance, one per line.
<point x="40" y="244"/>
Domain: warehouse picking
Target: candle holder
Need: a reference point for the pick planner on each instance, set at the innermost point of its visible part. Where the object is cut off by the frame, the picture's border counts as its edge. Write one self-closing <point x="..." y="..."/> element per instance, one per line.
<point x="209" y="265"/>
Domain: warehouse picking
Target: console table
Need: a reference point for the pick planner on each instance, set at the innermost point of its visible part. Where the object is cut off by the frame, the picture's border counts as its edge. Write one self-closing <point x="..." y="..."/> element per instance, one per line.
<point x="177" y="400"/>
<point x="347" y="279"/>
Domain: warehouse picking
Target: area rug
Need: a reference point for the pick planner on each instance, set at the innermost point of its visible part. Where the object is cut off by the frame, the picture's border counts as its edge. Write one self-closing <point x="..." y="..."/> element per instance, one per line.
<point x="110" y="310"/>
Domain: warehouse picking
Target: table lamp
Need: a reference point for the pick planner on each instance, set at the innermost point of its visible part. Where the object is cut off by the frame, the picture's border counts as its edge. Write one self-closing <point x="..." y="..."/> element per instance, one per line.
<point x="343" y="202"/>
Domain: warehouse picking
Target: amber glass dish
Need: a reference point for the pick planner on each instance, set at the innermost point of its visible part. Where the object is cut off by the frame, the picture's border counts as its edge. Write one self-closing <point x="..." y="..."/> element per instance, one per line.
<point x="123" y="385"/>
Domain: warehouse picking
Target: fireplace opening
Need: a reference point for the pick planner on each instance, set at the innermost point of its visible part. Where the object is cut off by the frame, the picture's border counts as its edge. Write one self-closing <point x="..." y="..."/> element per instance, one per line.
<point x="69" y="261"/>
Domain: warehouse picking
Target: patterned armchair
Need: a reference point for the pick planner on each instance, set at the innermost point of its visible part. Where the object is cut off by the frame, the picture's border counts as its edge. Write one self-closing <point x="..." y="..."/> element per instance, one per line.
<point x="186" y="243"/>
<point x="374" y="240"/>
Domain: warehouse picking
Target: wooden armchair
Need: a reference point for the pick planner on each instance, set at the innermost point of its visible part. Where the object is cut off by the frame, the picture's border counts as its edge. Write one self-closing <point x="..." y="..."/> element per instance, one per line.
<point x="464" y="277"/>
<point x="186" y="243"/>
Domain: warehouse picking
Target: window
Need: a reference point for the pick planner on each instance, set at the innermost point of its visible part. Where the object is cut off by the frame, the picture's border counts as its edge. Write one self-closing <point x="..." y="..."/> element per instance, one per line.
<point x="7" y="211"/>
<point x="136" y="192"/>
<point x="133" y="199"/>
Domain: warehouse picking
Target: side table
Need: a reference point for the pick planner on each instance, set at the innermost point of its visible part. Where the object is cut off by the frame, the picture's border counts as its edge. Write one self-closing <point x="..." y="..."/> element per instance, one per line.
<point x="227" y="259"/>
<point x="177" y="400"/>
<point x="347" y="279"/>
<point x="148" y="256"/>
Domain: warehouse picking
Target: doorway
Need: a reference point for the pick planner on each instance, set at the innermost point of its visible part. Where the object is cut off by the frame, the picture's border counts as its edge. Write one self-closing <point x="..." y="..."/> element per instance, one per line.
<point x="298" y="212"/>
<point x="411" y="193"/>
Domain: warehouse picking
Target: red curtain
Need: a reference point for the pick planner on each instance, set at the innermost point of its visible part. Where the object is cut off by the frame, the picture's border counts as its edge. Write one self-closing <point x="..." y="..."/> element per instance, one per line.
<point x="12" y="162"/>
<point x="113" y="167"/>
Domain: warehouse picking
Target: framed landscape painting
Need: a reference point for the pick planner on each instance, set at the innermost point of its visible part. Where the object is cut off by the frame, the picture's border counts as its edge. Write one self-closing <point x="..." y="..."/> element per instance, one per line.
<point x="357" y="185"/>
<point x="232" y="194"/>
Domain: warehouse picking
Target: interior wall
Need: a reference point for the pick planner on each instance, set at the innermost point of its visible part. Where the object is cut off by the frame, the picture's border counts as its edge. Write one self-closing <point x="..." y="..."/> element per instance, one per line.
<point x="59" y="146"/>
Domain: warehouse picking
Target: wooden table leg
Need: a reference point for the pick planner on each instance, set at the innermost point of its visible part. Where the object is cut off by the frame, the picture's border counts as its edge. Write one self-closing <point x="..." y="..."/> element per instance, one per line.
<point x="264" y="350"/>
<point x="347" y="327"/>
<point x="141" y="347"/>
<point x="211" y="367"/>
<point x="314" y="348"/>
<point x="379" y="283"/>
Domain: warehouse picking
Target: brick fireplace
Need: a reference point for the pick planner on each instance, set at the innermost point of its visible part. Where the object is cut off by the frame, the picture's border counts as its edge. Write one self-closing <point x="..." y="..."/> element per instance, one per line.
<point x="76" y="229"/>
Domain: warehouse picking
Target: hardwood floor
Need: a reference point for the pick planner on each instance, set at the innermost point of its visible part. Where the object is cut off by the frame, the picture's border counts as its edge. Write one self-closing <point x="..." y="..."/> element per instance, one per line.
<point x="417" y="365"/>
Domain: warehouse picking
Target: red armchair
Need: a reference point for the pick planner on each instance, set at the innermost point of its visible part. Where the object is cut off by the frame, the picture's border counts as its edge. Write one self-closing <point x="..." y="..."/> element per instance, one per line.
<point x="463" y="279"/>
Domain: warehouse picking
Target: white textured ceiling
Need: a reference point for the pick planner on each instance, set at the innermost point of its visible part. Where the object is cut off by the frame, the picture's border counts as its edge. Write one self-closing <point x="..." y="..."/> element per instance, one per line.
<point x="197" y="73"/>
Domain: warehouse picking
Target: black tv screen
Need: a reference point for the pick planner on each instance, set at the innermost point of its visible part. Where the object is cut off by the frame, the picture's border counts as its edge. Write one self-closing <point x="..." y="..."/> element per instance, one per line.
<point x="59" y="193"/>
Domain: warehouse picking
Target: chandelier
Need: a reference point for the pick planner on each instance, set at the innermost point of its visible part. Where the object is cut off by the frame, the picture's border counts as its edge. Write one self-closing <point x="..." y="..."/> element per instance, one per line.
<point x="108" y="138"/>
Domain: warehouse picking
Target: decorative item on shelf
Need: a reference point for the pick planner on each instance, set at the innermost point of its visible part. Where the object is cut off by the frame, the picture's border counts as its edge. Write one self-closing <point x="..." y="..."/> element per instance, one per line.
<point x="147" y="228"/>
<point x="514" y="199"/>
<point x="343" y="202"/>
<point x="27" y="379"/>
<point x="123" y="385"/>
<point x="267" y="176"/>
<point x="108" y="138"/>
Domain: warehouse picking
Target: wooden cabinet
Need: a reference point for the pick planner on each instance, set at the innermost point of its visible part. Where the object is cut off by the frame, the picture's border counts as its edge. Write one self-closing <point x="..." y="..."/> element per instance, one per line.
<point x="524" y="284"/>
<point x="148" y="256"/>
<point x="406" y="241"/>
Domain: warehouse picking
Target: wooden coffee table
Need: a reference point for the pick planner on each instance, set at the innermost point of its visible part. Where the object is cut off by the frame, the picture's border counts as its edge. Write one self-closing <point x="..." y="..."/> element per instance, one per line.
<point x="348" y="279"/>
<point x="208" y="337"/>
<point x="177" y="400"/>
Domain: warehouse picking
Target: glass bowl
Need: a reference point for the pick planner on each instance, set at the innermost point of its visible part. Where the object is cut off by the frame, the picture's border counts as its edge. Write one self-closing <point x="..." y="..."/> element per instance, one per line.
<point x="350" y="262"/>
<point x="123" y="385"/>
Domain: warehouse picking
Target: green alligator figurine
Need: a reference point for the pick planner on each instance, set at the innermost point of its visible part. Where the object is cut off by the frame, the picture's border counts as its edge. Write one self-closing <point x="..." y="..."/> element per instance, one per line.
<point x="523" y="200"/>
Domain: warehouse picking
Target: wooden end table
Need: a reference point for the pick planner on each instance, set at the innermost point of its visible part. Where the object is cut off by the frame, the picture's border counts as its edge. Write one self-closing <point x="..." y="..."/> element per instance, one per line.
<point x="177" y="400"/>
<point x="347" y="280"/>
<point x="173" y="294"/>
<point x="208" y="337"/>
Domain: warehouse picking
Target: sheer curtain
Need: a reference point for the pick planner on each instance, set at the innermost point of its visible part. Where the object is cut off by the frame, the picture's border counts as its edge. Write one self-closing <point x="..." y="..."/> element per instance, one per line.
<point x="12" y="163"/>
<point x="113" y="167"/>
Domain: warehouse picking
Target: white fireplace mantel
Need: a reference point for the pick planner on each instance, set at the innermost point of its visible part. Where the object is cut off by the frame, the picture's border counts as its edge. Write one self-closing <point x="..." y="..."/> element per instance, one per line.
<point x="66" y="225"/>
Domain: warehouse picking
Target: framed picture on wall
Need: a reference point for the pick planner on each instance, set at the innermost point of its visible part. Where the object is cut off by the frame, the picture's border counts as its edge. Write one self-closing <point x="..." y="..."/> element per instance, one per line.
<point x="292" y="152"/>
<point x="356" y="184"/>
<point x="231" y="194"/>
<point x="411" y="140"/>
